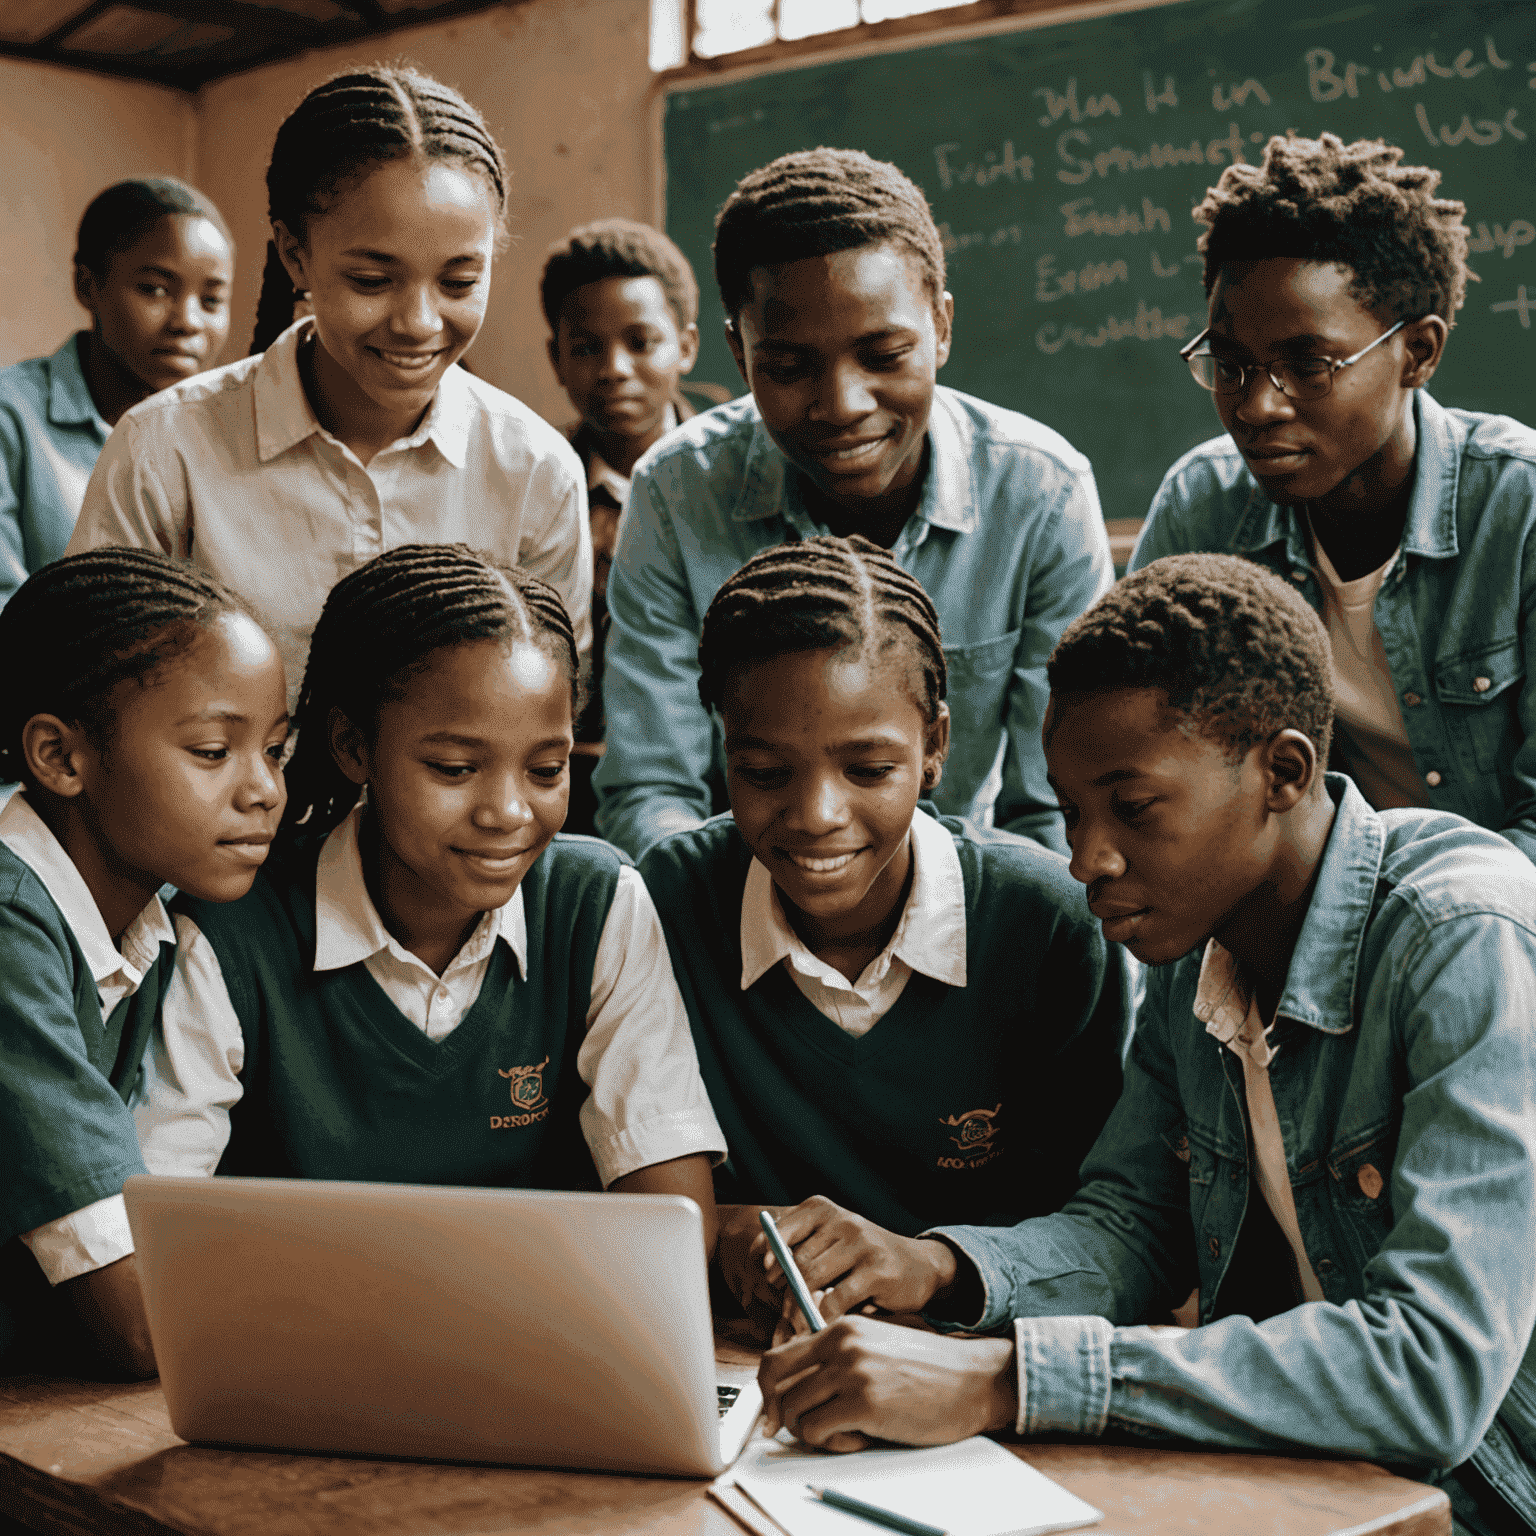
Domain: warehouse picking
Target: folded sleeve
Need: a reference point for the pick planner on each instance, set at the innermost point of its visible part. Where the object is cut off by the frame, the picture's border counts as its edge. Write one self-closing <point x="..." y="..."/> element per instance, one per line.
<point x="83" y="1241"/>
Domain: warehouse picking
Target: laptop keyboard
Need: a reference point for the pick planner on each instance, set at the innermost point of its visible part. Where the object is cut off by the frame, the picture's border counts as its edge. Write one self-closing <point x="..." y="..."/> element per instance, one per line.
<point x="726" y="1397"/>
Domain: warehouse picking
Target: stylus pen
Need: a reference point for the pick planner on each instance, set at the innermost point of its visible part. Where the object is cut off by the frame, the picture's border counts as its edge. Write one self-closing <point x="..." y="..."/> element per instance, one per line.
<point x="792" y="1274"/>
<point x="873" y="1512"/>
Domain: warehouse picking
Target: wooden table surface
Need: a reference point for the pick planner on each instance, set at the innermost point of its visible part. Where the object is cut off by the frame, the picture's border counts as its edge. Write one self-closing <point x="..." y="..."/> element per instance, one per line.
<point x="90" y="1457"/>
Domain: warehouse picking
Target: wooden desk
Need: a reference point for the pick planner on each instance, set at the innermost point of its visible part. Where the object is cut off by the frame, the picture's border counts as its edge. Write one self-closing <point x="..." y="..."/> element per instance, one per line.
<point x="86" y="1457"/>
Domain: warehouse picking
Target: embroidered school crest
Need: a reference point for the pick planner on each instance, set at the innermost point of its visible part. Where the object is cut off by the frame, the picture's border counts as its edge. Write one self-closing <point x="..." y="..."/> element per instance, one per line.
<point x="528" y="1099"/>
<point x="978" y="1136"/>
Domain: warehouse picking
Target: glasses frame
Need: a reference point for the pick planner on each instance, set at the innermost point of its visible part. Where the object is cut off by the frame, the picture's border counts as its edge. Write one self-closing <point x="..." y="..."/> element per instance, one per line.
<point x="1247" y="372"/>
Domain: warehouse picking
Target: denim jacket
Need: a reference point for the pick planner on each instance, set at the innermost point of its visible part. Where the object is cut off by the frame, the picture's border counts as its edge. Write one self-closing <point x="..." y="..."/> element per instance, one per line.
<point x="1405" y="1085"/>
<point x="1452" y="612"/>
<point x="1008" y="540"/>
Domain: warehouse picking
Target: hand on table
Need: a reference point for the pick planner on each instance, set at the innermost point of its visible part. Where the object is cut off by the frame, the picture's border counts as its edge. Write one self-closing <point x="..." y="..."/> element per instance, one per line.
<point x="861" y="1379"/>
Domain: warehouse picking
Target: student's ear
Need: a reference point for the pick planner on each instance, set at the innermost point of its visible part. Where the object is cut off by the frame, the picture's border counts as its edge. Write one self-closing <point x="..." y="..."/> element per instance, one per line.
<point x="87" y="288"/>
<point x="733" y="341"/>
<point x="53" y="750"/>
<point x="945" y="317"/>
<point x="688" y="347"/>
<point x="290" y="251"/>
<point x="1425" y="343"/>
<point x="349" y="747"/>
<point x="935" y="748"/>
<point x="1290" y="761"/>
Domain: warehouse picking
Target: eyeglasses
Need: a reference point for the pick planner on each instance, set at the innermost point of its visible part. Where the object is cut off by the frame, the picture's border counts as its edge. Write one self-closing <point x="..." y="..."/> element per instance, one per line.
<point x="1305" y="378"/>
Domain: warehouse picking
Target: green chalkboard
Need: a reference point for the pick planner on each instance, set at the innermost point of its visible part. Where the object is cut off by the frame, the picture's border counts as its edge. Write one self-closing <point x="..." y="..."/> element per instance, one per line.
<point x="1062" y="163"/>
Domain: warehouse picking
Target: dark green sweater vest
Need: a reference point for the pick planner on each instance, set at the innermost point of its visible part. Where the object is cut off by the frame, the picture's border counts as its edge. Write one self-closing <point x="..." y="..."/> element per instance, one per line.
<point x="973" y="1104"/>
<point x="339" y="1084"/>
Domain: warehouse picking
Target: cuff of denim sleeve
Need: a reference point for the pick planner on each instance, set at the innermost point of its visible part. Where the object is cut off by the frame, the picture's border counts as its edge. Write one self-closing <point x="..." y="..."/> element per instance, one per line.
<point x="970" y="1244"/>
<point x="1063" y="1374"/>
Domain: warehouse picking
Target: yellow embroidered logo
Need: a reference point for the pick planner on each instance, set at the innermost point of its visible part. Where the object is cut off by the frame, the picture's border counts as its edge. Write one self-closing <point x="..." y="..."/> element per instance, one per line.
<point x="978" y="1136"/>
<point x="527" y="1086"/>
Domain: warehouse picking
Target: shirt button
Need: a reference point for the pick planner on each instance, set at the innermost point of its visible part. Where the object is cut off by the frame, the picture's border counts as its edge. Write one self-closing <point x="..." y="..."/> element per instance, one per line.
<point x="1412" y="700"/>
<point x="1482" y="684"/>
<point x="1215" y="1246"/>
<point x="1432" y="778"/>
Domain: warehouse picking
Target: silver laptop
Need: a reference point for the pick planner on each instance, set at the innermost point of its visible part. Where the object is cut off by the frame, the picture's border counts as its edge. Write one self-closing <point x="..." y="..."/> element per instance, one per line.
<point x="515" y="1326"/>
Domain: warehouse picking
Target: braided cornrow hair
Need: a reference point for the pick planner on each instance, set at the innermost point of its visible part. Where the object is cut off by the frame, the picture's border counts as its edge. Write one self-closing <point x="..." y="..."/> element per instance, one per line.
<point x="822" y="593"/>
<point x="816" y="202"/>
<point x="77" y="628"/>
<point x="383" y="621"/>
<point x="344" y="127"/>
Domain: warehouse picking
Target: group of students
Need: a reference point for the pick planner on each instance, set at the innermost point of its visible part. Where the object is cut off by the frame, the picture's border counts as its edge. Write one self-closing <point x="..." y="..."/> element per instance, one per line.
<point x="876" y="619"/>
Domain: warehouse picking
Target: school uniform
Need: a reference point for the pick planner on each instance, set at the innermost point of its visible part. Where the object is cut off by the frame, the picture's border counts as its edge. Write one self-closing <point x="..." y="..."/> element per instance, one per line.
<point x="969" y="1068"/>
<point x="300" y="1039"/>
<point x="76" y="1015"/>
<point x="1436" y="663"/>
<point x="1007" y="539"/>
<point x="50" y="436"/>
<point x="233" y="471"/>
<point x="1386" y="1125"/>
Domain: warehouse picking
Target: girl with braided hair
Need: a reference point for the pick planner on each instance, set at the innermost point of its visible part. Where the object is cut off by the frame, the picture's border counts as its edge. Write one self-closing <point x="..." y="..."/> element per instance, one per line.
<point x="145" y="716"/>
<point x="349" y="432"/>
<point x="429" y="985"/>
<point x="899" y="1017"/>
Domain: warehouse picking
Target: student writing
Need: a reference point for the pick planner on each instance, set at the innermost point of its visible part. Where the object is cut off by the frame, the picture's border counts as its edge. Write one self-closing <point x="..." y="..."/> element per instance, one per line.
<point x="153" y="265"/>
<point x="898" y="1017"/>
<point x="428" y="985"/>
<point x="147" y="731"/>
<point x="832" y="275"/>
<point x="351" y="432"/>
<point x="1329" y="1117"/>
<point x="1334" y="275"/>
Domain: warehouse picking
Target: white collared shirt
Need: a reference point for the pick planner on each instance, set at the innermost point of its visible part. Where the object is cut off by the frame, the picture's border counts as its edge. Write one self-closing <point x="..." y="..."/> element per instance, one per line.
<point x="233" y="470"/>
<point x="929" y="937"/>
<point x="647" y="1103"/>
<point x="602" y="475"/>
<point x="1230" y="1013"/>
<point x="97" y="1234"/>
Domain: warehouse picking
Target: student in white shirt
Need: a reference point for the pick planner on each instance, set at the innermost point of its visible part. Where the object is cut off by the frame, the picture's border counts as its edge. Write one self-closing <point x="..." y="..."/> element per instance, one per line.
<point x="352" y="432"/>
<point x="147" y="728"/>
<point x="431" y="986"/>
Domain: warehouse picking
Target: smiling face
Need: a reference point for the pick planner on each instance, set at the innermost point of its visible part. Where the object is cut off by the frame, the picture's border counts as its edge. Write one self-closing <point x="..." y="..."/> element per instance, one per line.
<point x="398" y="272"/>
<point x="841" y="353"/>
<point x="1356" y="445"/>
<point x="161" y="309"/>
<point x="467" y="784"/>
<point x="826" y="757"/>
<point x="1172" y="839"/>
<point x="619" y="352"/>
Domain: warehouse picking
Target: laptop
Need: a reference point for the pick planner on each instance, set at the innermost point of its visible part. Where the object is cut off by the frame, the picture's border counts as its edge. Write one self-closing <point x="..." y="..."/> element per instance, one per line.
<point x="490" y="1325"/>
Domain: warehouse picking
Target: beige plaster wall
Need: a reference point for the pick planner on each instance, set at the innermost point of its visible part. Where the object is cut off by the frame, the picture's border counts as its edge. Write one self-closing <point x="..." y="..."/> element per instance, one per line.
<point x="64" y="135"/>
<point x="565" y="85"/>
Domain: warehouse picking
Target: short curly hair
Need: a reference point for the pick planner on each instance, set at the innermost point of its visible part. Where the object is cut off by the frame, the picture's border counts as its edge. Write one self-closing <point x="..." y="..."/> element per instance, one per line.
<point x="1324" y="200"/>
<point x="617" y="248"/>
<point x="1235" y="648"/>
<point x="817" y="202"/>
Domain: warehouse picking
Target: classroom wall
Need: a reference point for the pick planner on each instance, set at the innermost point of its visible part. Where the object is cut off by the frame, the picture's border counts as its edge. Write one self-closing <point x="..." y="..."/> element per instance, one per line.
<point x="64" y="135"/>
<point x="565" y="86"/>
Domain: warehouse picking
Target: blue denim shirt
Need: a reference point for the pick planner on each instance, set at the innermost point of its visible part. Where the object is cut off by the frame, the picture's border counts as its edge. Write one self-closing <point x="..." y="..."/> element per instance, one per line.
<point x="1452" y="612"/>
<point x="1008" y="540"/>
<point x="1405" y="1086"/>
<point x="50" y="436"/>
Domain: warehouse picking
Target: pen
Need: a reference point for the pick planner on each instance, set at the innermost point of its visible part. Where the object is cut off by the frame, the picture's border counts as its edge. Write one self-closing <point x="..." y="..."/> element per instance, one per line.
<point x="873" y="1512"/>
<point x="792" y="1274"/>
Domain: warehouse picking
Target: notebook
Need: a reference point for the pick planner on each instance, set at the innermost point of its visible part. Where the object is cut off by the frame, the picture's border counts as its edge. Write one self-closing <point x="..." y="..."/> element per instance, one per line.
<point x="972" y="1488"/>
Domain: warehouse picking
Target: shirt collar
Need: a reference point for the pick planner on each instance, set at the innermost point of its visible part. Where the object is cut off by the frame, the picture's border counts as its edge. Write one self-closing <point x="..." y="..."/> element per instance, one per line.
<point x="769" y="488"/>
<point x="27" y="835"/>
<point x="601" y="475"/>
<point x="348" y="928"/>
<point x="930" y="936"/>
<point x="284" y="416"/>
<point x="69" y="397"/>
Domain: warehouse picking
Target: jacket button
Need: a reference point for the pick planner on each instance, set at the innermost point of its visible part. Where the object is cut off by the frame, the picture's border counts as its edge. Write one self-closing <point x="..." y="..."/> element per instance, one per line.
<point x="1324" y="1267"/>
<point x="1482" y="684"/>
<point x="1432" y="778"/>
<point x="1412" y="700"/>
<point x="1298" y="574"/>
<point x="1215" y="1246"/>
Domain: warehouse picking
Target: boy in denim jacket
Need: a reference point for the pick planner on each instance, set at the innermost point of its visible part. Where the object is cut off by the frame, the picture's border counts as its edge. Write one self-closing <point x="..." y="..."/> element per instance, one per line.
<point x="1329" y="1118"/>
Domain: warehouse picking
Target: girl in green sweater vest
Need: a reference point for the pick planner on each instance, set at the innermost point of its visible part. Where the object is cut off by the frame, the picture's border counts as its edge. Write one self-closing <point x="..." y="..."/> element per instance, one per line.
<point x="144" y="713"/>
<point x="898" y="1016"/>
<point x="430" y="986"/>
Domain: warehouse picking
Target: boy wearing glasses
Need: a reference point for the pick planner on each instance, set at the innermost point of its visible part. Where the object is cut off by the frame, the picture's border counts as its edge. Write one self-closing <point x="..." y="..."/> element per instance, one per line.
<point x="1334" y="274"/>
